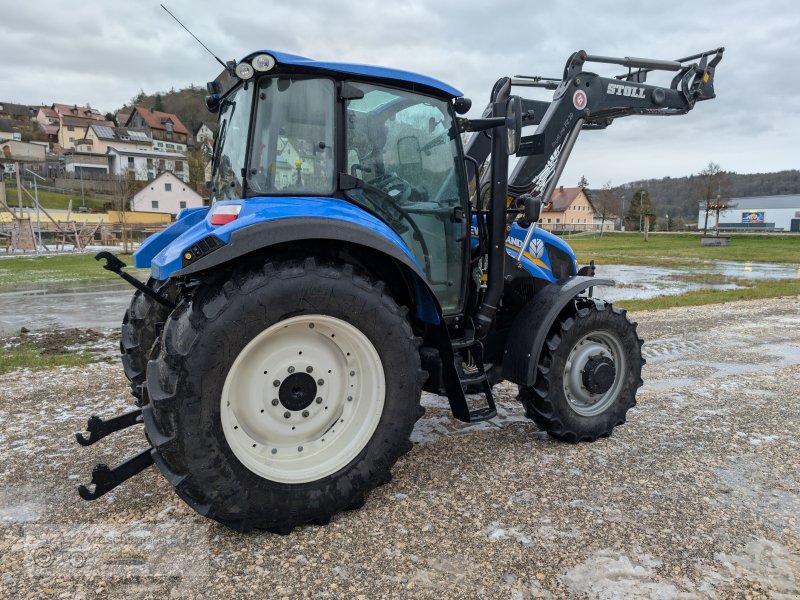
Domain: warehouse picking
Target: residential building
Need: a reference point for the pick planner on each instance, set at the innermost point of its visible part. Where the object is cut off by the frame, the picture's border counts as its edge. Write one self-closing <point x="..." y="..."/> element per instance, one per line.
<point x="204" y="135"/>
<point x="757" y="213"/>
<point x="167" y="193"/>
<point x="166" y="129"/>
<point x="147" y="164"/>
<point x="122" y="118"/>
<point x="22" y="151"/>
<point x="9" y="130"/>
<point x="100" y="137"/>
<point x="15" y="112"/>
<point x="85" y="164"/>
<point x="74" y="121"/>
<point x="49" y="122"/>
<point x="571" y="209"/>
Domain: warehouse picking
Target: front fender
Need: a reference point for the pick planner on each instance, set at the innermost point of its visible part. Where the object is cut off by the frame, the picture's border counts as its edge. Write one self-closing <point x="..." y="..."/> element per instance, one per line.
<point x="188" y="218"/>
<point x="532" y="324"/>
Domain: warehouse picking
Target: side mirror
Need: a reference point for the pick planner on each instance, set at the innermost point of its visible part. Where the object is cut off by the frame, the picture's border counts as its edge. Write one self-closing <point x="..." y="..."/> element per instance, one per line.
<point x="513" y="124"/>
<point x="408" y="151"/>
<point x="533" y="208"/>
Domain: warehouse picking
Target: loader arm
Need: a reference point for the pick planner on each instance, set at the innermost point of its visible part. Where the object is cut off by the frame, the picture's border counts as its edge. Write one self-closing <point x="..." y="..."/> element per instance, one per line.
<point x="585" y="100"/>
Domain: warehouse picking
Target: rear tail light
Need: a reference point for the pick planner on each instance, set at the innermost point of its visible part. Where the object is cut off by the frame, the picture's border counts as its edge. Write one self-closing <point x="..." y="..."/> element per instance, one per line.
<point x="225" y="213"/>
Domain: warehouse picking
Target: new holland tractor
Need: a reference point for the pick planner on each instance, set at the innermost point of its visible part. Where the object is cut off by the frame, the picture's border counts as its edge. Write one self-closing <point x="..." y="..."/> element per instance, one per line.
<point x="357" y="252"/>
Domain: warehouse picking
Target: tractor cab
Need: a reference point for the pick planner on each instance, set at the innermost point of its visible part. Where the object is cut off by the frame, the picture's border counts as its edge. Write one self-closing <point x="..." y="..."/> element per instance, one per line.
<point x="388" y="144"/>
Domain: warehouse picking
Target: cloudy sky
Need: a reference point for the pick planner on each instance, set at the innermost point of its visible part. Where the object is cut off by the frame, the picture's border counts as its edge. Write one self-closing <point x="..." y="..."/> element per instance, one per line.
<point x="103" y="53"/>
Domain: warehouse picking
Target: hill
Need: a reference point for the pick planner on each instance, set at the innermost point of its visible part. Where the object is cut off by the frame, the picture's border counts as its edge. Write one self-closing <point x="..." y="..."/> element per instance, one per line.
<point x="189" y="104"/>
<point x="678" y="196"/>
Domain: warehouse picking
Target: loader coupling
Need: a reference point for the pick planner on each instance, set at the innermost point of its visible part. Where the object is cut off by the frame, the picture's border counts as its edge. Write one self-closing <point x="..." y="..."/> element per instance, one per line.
<point x="104" y="478"/>
<point x="115" y="265"/>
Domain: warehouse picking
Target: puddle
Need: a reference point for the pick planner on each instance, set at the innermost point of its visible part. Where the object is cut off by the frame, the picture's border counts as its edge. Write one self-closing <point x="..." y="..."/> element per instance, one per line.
<point x="102" y="303"/>
<point x="63" y="304"/>
<point x="637" y="282"/>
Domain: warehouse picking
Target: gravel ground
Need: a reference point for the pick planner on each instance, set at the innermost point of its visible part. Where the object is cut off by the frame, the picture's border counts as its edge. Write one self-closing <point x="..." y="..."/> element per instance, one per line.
<point x="698" y="495"/>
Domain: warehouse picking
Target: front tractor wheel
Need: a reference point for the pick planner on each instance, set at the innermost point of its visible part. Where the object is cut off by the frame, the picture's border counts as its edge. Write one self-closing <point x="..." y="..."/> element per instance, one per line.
<point x="283" y="395"/>
<point x="588" y="374"/>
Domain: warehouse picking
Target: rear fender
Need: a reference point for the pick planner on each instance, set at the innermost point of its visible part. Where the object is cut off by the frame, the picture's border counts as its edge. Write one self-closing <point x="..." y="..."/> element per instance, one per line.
<point x="188" y="218"/>
<point x="532" y="324"/>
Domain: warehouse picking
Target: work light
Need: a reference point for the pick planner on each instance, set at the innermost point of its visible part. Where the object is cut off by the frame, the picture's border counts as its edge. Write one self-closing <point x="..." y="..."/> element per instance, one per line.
<point x="263" y="62"/>
<point x="244" y="70"/>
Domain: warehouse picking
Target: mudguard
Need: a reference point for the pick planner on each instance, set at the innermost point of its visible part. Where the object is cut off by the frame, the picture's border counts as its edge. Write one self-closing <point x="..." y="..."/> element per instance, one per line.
<point x="531" y="325"/>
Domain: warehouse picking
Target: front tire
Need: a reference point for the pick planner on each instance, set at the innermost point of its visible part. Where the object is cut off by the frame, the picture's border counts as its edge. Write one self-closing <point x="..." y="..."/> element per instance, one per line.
<point x="233" y="453"/>
<point x="588" y="374"/>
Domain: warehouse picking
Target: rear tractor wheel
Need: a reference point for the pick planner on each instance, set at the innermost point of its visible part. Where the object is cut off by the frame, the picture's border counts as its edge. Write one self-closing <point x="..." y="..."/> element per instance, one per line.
<point x="588" y="374"/>
<point x="283" y="395"/>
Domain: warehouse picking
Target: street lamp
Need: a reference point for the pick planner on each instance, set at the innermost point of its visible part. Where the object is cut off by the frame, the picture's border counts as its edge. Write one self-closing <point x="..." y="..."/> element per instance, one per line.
<point x="641" y="200"/>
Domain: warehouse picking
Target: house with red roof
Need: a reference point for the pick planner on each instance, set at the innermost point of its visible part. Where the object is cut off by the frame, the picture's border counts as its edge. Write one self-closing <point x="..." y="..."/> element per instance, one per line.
<point x="165" y="129"/>
<point x="571" y="209"/>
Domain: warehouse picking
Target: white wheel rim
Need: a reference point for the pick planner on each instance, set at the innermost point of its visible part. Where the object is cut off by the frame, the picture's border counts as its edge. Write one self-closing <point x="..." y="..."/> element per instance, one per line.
<point x="289" y="441"/>
<point x="595" y="344"/>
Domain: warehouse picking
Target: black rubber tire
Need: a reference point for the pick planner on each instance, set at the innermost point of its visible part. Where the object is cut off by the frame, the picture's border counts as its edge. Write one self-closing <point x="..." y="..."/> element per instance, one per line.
<point x="200" y="342"/>
<point x="546" y="404"/>
<point x="141" y="326"/>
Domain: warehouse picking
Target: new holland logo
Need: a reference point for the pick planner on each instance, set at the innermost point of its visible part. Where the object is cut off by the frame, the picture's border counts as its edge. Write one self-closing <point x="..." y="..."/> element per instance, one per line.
<point x="537" y="248"/>
<point x="615" y="89"/>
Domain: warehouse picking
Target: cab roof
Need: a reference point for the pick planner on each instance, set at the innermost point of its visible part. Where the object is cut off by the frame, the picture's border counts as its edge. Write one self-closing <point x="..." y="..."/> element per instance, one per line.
<point x="285" y="58"/>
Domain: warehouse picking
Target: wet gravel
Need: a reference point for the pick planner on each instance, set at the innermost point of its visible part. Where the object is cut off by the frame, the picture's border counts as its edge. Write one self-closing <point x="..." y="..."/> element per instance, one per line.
<point x="698" y="495"/>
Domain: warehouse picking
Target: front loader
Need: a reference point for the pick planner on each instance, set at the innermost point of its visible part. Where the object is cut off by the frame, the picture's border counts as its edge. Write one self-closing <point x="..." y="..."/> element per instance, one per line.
<point x="357" y="253"/>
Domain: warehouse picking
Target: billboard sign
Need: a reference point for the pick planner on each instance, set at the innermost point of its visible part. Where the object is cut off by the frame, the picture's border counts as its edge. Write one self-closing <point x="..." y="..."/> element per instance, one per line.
<point x="753" y="216"/>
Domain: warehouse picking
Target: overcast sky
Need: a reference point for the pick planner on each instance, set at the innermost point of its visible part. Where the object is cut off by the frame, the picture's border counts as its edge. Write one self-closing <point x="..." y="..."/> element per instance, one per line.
<point x="103" y="53"/>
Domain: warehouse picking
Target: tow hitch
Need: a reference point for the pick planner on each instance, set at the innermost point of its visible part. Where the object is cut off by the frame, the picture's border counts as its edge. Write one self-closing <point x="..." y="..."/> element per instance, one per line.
<point x="105" y="479"/>
<point x="115" y="265"/>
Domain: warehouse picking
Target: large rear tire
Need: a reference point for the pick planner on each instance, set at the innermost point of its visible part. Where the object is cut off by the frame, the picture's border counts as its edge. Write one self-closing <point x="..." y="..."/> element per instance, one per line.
<point x="588" y="374"/>
<point x="283" y="395"/>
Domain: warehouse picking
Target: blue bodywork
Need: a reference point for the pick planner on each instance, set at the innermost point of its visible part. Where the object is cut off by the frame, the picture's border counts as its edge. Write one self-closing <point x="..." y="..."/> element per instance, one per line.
<point x="357" y="69"/>
<point x="536" y="258"/>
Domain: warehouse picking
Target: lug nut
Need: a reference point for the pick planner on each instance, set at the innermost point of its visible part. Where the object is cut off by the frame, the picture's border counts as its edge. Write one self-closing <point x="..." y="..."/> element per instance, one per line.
<point x="274" y="450"/>
<point x="305" y="413"/>
<point x="277" y="383"/>
<point x="291" y="369"/>
<point x="320" y="382"/>
<point x="349" y="398"/>
<point x="275" y="402"/>
<point x="299" y="448"/>
<point x="309" y="369"/>
<point x="287" y="414"/>
<point x="352" y="373"/>
<point x="319" y="400"/>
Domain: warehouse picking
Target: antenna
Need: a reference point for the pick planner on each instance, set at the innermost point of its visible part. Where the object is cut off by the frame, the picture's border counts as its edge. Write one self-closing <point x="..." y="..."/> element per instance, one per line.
<point x="224" y="66"/>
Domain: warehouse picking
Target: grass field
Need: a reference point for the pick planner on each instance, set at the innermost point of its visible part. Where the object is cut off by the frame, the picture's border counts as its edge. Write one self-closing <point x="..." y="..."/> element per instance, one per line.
<point x="71" y="267"/>
<point x="55" y="200"/>
<point x="682" y="249"/>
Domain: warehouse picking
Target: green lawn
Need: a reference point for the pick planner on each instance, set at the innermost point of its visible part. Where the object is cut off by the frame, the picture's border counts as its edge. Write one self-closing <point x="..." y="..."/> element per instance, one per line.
<point x="29" y="356"/>
<point x="54" y="200"/>
<point x="676" y="249"/>
<point x="70" y="267"/>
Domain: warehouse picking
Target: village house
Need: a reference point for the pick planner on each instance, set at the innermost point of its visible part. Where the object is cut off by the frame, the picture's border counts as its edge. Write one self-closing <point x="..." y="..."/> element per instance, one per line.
<point x="85" y="164"/>
<point x="146" y="165"/>
<point x="571" y="210"/>
<point x="74" y="121"/>
<point x="167" y="193"/>
<point x="101" y="137"/>
<point x="204" y="135"/>
<point x="48" y="121"/>
<point x="15" y="112"/>
<point x="8" y="130"/>
<point x="165" y="129"/>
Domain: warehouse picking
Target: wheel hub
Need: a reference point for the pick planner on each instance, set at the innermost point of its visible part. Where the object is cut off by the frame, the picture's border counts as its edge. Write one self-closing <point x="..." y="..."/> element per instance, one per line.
<point x="599" y="374"/>
<point x="297" y="391"/>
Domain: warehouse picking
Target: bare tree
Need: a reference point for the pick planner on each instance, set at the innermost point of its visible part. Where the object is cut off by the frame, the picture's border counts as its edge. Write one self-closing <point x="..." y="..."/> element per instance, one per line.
<point x="607" y="205"/>
<point x="709" y="184"/>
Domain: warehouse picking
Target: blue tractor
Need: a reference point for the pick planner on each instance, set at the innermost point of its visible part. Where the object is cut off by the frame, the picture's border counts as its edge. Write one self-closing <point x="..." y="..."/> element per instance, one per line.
<point x="356" y="252"/>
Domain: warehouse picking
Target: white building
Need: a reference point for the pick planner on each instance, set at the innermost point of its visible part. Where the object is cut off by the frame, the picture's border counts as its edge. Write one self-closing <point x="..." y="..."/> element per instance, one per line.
<point x="166" y="194"/>
<point x="767" y="213"/>
<point x="147" y="164"/>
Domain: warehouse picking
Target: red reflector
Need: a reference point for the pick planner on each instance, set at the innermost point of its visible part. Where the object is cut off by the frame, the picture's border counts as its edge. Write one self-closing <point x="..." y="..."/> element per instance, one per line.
<point x="222" y="218"/>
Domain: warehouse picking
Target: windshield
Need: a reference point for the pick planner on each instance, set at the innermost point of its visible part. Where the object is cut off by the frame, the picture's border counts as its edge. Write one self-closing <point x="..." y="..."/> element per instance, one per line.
<point x="404" y="148"/>
<point x="293" y="138"/>
<point x="231" y="149"/>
